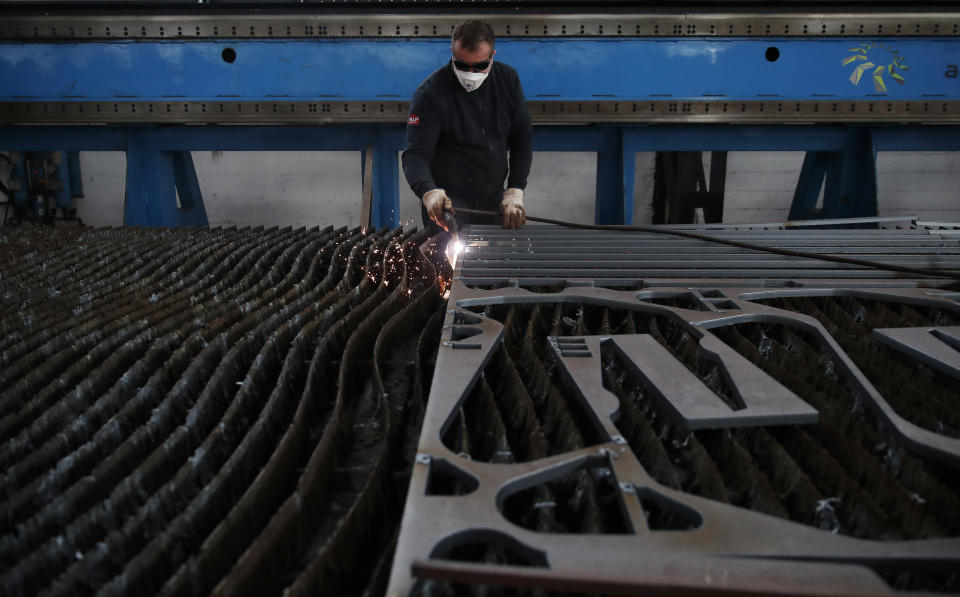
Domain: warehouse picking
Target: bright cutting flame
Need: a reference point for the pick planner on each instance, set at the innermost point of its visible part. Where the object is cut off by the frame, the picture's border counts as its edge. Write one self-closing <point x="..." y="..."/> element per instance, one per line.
<point x="454" y="248"/>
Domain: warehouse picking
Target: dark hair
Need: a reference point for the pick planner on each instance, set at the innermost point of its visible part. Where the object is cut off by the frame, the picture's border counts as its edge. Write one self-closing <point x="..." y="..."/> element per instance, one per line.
<point x="471" y="34"/>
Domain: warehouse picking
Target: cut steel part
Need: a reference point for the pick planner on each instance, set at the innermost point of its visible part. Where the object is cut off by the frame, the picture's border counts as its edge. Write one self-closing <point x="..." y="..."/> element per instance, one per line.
<point x="936" y="346"/>
<point x="761" y="401"/>
<point x="744" y="309"/>
<point x="669" y="576"/>
<point x="527" y="319"/>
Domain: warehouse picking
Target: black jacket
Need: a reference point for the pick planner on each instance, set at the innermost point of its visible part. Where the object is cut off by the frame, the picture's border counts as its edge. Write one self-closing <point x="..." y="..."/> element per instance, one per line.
<point x="458" y="141"/>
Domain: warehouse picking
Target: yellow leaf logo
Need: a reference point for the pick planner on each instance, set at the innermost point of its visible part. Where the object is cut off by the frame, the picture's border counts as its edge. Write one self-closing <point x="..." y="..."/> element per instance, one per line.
<point x="879" y="58"/>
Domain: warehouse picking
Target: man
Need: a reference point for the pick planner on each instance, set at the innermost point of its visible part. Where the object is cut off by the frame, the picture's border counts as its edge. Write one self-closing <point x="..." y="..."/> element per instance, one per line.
<point x="463" y="119"/>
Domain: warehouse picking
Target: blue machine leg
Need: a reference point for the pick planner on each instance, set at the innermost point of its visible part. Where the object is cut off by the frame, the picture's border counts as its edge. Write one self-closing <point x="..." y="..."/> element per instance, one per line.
<point x="151" y="198"/>
<point x="833" y="189"/>
<point x="73" y="171"/>
<point x="628" y="159"/>
<point x="385" y="210"/>
<point x="149" y="184"/>
<point x="804" y="206"/>
<point x="859" y="175"/>
<point x="611" y="199"/>
<point x="363" y="181"/>
<point x="192" y="210"/>
<point x="850" y="190"/>
<point x="62" y="199"/>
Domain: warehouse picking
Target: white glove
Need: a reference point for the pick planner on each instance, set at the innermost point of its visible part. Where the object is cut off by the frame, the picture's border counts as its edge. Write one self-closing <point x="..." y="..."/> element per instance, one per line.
<point x="511" y="207"/>
<point x="436" y="202"/>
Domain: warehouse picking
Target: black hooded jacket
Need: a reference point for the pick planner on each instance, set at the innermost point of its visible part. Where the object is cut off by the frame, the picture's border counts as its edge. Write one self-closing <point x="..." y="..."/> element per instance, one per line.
<point x="458" y="141"/>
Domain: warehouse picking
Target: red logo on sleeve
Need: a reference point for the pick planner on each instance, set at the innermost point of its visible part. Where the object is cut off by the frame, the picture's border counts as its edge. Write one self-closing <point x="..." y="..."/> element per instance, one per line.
<point x="414" y="119"/>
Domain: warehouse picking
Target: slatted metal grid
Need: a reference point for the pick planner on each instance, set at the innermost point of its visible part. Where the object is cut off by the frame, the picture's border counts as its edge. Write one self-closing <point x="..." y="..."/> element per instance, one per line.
<point x="197" y="411"/>
<point x="208" y="411"/>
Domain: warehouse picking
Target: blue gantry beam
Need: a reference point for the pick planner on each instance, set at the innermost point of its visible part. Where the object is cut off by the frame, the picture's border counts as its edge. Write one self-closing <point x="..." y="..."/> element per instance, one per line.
<point x="568" y="69"/>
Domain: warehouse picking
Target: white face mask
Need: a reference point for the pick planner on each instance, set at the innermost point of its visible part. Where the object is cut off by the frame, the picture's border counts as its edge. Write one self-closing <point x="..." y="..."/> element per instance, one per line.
<point x="470" y="81"/>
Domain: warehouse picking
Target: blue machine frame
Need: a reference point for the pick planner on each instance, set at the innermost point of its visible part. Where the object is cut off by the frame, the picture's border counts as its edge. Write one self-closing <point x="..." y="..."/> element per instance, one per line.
<point x="570" y="69"/>
<point x="159" y="163"/>
<point x="603" y="70"/>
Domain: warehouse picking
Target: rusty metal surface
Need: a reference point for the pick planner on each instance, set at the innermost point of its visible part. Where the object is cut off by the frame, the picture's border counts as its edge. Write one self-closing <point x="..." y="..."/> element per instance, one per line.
<point x="208" y="411"/>
<point x="709" y="426"/>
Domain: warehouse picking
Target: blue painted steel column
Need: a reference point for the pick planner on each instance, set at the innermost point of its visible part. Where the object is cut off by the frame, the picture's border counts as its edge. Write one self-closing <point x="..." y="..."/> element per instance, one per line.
<point x="73" y="171"/>
<point x="149" y="182"/>
<point x="62" y="199"/>
<point x="151" y="198"/>
<point x="859" y="175"/>
<point x="188" y="187"/>
<point x="628" y="160"/>
<point x="385" y="210"/>
<point x="812" y="173"/>
<point x="611" y="200"/>
<point x="850" y="190"/>
<point x="833" y="186"/>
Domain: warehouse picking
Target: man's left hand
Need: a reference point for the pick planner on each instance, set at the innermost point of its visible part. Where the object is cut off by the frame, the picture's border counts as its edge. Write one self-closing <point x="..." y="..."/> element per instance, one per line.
<point x="511" y="207"/>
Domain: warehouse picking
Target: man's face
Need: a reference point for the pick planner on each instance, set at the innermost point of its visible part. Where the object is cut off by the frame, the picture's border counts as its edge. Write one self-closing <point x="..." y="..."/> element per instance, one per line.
<point x="470" y="61"/>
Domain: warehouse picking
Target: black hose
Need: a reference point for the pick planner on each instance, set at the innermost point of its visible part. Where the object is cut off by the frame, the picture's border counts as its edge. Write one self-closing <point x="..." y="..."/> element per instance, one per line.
<point x="917" y="271"/>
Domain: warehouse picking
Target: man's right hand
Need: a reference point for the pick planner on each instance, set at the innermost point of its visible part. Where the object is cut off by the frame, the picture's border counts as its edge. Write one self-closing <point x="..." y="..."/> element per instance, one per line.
<point x="436" y="202"/>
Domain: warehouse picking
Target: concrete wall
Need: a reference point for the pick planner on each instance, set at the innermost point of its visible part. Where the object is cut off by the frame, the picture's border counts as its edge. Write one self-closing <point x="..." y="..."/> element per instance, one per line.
<point x="926" y="185"/>
<point x="760" y="185"/>
<point x="104" y="177"/>
<point x="309" y="188"/>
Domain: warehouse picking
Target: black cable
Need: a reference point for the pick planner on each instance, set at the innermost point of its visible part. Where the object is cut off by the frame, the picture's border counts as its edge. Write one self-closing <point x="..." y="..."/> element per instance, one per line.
<point x="917" y="271"/>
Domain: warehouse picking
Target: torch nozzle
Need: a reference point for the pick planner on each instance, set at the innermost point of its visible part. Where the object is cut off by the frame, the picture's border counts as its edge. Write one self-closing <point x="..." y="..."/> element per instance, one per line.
<point x="454" y="246"/>
<point x="451" y="224"/>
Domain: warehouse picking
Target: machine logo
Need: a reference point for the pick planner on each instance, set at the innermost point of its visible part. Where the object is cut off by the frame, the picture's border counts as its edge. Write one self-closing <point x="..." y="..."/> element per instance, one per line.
<point x="881" y="59"/>
<point x="414" y="119"/>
